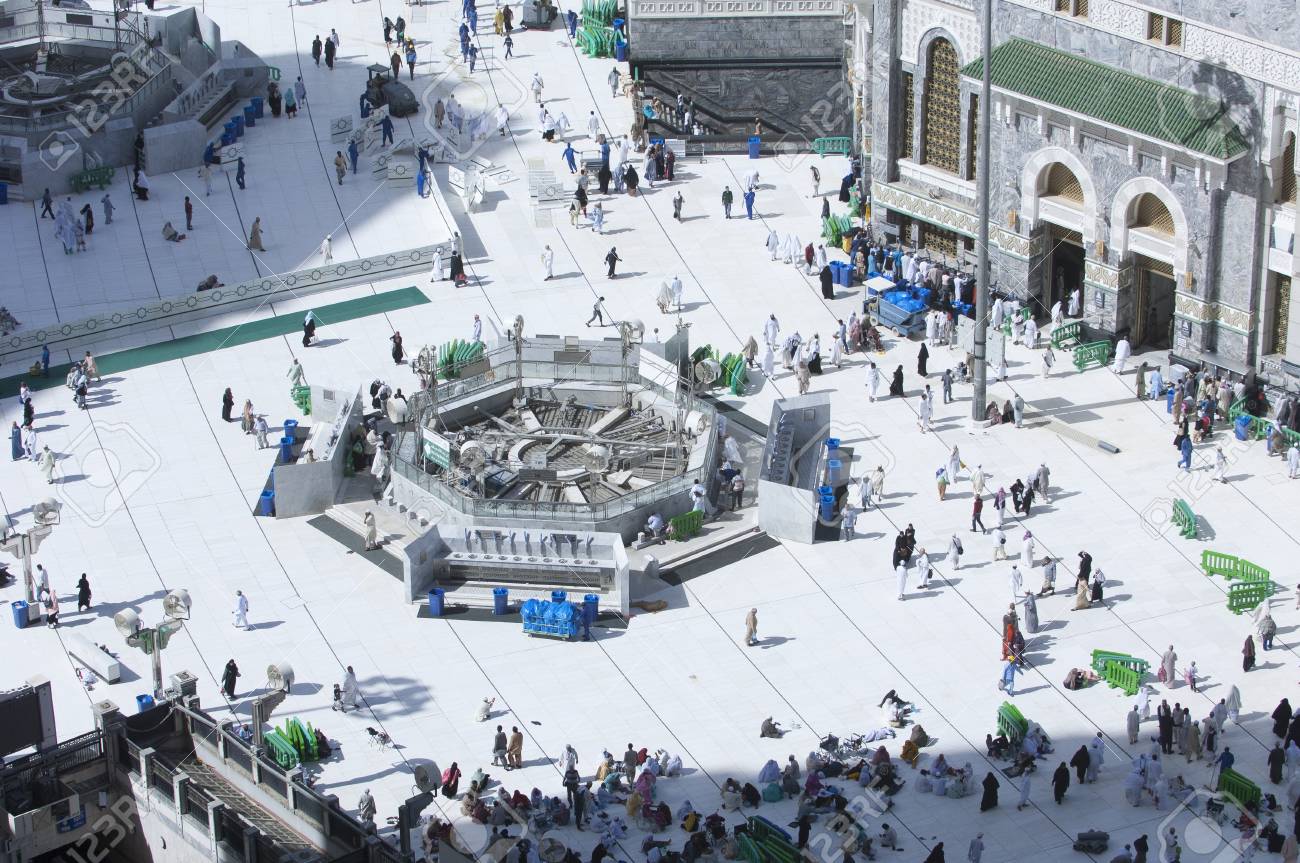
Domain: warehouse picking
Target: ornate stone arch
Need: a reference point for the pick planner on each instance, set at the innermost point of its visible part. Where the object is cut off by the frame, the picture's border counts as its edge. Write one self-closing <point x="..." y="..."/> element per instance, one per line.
<point x="927" y="38"/>
<point x="1119" y="217"/>
<point x="1032" y="177"/>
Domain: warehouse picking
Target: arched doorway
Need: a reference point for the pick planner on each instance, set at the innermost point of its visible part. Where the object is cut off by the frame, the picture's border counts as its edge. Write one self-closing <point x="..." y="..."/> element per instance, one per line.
<point x="942" y="109"/>
<point x="1151" y="226"/>
<point x="1061" y="206"/>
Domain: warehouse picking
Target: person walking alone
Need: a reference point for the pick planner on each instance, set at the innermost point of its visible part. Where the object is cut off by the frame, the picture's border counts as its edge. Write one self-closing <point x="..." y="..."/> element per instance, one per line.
<point x="241" y="610"/>
<point x="611" y="260"/>
<point x="597" y="312"/>
<point x="751" y="628"/>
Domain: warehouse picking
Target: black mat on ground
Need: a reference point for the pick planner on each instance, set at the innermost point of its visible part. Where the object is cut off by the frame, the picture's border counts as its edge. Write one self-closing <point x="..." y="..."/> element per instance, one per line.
<point x="713" y="560"/>
<point x="353" y="543"/>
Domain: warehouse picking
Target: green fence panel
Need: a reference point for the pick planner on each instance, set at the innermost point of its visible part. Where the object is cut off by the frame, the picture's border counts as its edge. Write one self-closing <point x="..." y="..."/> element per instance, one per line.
<point x="1242" y="792"/>
<point x="1218" y="563"/>
<point x="1091" y="354"/>
<point x="1067" y="335"/>
<point x="1117" y="675"/>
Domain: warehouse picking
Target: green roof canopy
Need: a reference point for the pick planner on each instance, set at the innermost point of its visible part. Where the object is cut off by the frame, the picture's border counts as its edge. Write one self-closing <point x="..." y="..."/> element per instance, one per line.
<point x="1113" y="96"/>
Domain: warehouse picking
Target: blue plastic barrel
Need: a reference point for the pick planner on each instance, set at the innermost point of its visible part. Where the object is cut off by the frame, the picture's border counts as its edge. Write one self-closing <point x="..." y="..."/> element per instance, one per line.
<point x="20" y="613"/>
<point x="1241" y="427"/>
<point x="286" y="450"/>
<point x="500" y="600"/>
<point x="827" y="507"/>
<point x="238" y="120"/>
<point x="620" y="51"/>
<point x="291" y="429"/>
<point x="259" y="106"/>
<point x="590" y="608"/>
<point x="832" y="443"/>
<point x="143" y="703"/>
<point x="266" y="503"/>
<point x="834" y="467"/>
<point x="755" y="143"/>
<point x="559" y="596"/>
<point x="435" y="602"/>
<point x="250" y="116"/>
<point x="227" y="138"/>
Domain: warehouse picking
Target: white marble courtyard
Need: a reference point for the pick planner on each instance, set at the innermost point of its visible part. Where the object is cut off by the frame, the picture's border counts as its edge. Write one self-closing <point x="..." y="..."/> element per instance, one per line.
<point x="834" y="636"/>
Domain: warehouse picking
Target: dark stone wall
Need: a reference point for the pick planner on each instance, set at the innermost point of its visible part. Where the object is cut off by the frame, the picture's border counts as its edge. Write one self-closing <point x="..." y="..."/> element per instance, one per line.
<point x="736" y="64"/>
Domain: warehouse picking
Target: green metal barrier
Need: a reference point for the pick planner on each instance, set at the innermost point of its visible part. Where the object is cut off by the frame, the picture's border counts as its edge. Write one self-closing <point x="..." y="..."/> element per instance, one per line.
<point x="822" y="146"/>
<point x="1101" y="657"/>
<point x="1247" y="596"/>
<point x="1117" y="675"/>
<point x="282" y="751"/>
<point x="1218" y="563"/>
<point x="1241" y="791"/>
<point x="687" y="525"/>
<point x="1091" y="354"/>
<point x="1067" y="335"/>
<point x="1184" y="519"/>
<point x="1011" y="723"/>
<point x="301" y="398"/>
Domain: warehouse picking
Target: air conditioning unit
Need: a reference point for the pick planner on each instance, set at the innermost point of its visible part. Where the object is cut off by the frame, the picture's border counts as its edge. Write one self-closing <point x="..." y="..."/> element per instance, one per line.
<point x="184" y="683"/>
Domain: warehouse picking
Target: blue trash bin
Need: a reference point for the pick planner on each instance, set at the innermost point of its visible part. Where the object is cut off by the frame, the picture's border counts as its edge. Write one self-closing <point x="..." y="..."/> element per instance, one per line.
<point x="590" y="608"/>
<point x="227" y="138"/>
<point x="286" y="450"/>
<point x="266" y="503"/>
<point x="618" y="25"/>
<point x="500" y="600"/>
<point x="291" y="429"/>
<point x="4" y="193"/>
<point x="20" y="613"/>
<point x="1241" y="427"/>
<point x="250" y="116"/>
<point x="435" y="602"/>
<point x="559" y="596"/>
<point x="620" y="51"/>
<point x="832" y="443"/>
<point x="143" y="703"/>
<point x="755" y="143"/>
<point x="259" y="106"/>
<point x="827" y="507"/>
<point x="1169" y="401"/>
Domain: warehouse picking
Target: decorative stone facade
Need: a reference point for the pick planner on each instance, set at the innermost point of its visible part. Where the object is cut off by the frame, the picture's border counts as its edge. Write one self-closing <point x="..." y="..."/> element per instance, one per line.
<point x="1215" y="256"/>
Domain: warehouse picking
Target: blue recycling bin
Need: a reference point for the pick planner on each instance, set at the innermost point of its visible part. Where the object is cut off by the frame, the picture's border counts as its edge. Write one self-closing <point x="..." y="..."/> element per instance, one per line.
<point x="834" y="470"/>
<point x="266" y="503"/>
<point x="500" y="600"/>
<point x="143" y="703"/>
<point x="239" y="126"/>
<point x="250" y="116"/>
<point x="20" y="613"/>
<point x="286" y="450"/>
<point x="259" y="106"/>
<point x="755" y="143"/>
<point x="832" y="443"/>
<point x="1241" y="427"/>
<point x="590" y="608"/>
<point x="291" y="429"/>
<point x="1169" y="401"/>
<point x="4" y="193"/>
<point x="827" y="507"/>
<point x="559" y="596"/>
<point x="620" y="51"/>
<point x="618" y="25"/>
<point x="436" y="599"/>
<point x="227" y="138"/>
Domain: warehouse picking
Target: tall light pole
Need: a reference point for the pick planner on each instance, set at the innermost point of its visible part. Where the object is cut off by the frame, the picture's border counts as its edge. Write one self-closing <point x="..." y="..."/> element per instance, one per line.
<point x="980" y="370"/>
<point x="152" y="640"/>
<point x="22" y="546"/>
